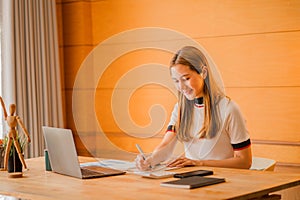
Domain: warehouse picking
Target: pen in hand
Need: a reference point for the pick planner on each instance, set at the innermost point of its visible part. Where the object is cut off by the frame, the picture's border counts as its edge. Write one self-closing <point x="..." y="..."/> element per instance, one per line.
<point x="141" y="152"/>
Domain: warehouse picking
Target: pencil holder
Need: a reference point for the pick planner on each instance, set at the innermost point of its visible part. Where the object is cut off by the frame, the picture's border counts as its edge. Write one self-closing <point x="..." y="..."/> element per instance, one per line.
<point x="47" y="161"/>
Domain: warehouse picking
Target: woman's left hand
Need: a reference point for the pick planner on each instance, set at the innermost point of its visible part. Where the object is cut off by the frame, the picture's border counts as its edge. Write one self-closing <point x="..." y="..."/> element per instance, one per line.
<point x="182" y="162"/>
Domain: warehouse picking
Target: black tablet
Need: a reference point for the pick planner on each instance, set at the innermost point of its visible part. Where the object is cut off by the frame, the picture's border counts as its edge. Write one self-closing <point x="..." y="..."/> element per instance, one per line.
<point x="193" y="173"/>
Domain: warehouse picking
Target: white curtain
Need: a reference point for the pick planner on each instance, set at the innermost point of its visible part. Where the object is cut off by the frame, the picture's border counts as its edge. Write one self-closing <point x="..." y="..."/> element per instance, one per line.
<point x="31" y="71"/>
<point x="7" y="62"/>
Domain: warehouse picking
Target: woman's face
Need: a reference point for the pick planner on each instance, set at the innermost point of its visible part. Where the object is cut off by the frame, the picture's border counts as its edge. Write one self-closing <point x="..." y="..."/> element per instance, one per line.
<point x="187" y="81"/>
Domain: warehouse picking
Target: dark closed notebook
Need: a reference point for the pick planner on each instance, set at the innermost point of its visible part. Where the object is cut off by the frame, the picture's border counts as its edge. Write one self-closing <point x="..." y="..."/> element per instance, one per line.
<point x="193" y="182"/>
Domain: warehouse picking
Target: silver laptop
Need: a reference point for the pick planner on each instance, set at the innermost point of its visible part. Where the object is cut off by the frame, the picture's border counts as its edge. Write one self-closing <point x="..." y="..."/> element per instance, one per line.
<point x="63" y="156"/>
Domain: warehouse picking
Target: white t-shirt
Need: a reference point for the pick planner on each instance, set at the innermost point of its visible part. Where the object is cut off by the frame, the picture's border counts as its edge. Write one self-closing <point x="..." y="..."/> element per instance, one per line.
<point x="233" y="135"/>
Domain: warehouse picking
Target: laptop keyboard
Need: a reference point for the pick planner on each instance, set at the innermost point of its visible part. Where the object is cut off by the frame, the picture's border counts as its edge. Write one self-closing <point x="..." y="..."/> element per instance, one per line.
<point x="89" y="173"/>
<point x="97" y="171"/>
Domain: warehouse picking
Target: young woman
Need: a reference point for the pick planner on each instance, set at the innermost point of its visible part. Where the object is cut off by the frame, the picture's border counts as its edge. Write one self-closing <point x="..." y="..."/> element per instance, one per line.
<point x="209" y="124"/>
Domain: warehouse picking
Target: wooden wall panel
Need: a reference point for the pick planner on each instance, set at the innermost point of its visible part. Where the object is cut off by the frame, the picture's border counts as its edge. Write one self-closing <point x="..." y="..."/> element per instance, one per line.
<point x="262" y="60"/>
<point x="61" y="55"/>
<point x="271" y="61"/>
<point x="195" y="18"/>
<point x="280" y="153"/>
<point x="121" y="141"/>
<point x="59" y="17"/>
<point x="139" y="107"/>
<point x="125" y="63"/>
<point x="254" y="43"/>
<point x="74" y="56"/>
<point x="271" y="113"/>
<point x="77" y="23"/>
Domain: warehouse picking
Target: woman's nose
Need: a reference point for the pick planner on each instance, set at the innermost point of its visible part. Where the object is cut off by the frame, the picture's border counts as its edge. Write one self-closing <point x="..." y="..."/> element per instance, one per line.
<point x="181" y="86"/>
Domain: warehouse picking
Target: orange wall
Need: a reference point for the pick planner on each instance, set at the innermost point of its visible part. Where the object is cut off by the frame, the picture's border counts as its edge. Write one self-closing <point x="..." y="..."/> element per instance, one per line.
<point x="254" y="43"/>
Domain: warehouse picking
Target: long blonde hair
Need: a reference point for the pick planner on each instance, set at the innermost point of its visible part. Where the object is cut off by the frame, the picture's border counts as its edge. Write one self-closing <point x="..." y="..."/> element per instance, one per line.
<point x="196" y="60"/>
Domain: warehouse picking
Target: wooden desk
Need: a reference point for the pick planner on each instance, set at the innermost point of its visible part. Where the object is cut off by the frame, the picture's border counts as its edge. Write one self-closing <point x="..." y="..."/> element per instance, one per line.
<point x="240" y="184"/>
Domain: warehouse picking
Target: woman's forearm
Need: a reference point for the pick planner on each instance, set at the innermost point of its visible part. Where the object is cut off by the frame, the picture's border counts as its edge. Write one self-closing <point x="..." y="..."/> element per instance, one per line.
<point x="241" y="159"/>
<point x="165" y="149"/>
<point x="230" y="163"/>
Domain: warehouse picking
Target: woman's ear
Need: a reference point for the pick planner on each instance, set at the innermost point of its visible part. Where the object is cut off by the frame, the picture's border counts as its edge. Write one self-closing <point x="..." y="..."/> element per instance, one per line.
<point x="204" y="72"/>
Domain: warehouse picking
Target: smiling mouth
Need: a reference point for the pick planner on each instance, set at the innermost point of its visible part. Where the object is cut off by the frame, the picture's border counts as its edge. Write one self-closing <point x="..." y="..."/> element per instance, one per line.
<point x="187" y="92"/>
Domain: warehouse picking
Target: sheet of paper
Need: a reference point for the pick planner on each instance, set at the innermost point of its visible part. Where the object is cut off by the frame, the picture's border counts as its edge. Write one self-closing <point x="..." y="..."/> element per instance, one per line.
<point x="159" y="171"/>
<point x="111" y="163"/>
<point x="156" y="174"/>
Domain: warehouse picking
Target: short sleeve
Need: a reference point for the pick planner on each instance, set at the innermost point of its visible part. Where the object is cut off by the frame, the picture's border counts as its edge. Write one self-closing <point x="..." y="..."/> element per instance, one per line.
<point x="236" y="127"/>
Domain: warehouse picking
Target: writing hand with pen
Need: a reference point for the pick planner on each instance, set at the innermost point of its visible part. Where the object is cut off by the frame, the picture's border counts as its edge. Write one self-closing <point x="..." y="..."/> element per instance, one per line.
<point x="142" y="162"/>
<point x="146" y="163"/>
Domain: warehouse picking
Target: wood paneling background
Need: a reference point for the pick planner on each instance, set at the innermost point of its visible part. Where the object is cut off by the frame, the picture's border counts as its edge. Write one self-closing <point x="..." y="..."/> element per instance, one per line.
<point x="256" y="45"/>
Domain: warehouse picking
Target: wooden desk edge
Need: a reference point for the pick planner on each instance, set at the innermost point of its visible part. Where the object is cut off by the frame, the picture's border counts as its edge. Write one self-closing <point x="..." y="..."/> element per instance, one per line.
<point x="254" y="195"/>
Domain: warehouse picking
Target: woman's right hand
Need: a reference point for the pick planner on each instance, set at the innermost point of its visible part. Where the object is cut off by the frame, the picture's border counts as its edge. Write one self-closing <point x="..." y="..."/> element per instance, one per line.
<point x="143" y="164"/>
